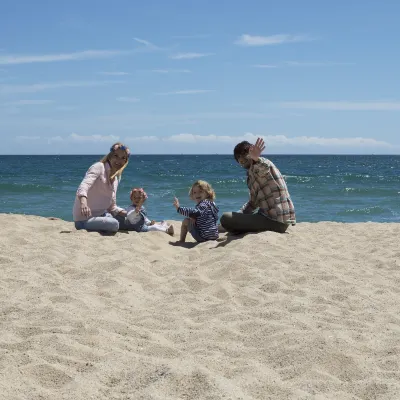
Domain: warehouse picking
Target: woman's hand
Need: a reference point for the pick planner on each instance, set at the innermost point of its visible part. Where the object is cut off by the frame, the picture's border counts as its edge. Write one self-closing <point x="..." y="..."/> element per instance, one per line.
<point x="176" y="203"/>
<point x="85" y="210"/>
<point x="257" y="149"/>
<point x="152" y="222"/>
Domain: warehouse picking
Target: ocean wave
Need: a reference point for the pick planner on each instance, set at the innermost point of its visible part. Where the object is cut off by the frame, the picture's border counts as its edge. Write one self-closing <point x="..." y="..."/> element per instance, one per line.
<point x="373" y="210"/>
<point x="378" y="191"/>
<point x="28" y="188"/>
<point x="224" y="181"/>
<point x="298" y="178"/>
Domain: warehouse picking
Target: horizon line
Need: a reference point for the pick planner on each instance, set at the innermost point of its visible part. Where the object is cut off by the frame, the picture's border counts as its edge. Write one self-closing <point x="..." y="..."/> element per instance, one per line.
<point x="210" y="154"/>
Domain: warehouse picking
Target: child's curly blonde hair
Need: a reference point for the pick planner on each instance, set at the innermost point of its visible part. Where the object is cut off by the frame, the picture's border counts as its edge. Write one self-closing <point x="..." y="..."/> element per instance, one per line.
<point x="205" y="187"/>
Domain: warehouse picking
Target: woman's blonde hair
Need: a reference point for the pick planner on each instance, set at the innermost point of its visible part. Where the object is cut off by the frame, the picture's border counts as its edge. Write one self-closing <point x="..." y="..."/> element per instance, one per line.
<point x="205" y="187"/>
<point x="114" y="147"/>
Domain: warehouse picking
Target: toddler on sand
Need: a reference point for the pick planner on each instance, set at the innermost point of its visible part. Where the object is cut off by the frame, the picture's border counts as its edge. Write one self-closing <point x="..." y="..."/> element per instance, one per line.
<point x="137" y="216"/>
<point x="202" y="219"/>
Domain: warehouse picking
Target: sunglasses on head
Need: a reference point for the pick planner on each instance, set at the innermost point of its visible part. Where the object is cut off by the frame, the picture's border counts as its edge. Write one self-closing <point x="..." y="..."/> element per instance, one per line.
<point x="121" y="147"/>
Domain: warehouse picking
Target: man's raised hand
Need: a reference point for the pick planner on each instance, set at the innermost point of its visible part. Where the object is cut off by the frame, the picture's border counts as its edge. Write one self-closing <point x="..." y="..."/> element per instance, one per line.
<point x="257" y="149"/>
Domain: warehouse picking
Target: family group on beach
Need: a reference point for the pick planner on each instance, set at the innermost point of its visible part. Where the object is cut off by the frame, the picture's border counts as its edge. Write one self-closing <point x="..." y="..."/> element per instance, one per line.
<point x="269" y="208"/>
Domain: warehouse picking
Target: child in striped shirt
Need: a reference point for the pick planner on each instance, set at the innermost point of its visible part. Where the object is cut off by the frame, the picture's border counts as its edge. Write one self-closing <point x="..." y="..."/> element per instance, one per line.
<point x="202" y="219"/>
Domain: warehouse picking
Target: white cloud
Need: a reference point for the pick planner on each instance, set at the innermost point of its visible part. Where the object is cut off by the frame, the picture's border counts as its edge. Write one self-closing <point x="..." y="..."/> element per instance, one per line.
<point x="145" y="139"/>
<point x="93" y="138"/>
<point x="73" y="137"/>
<point x="189" y="56"/>
<point x="167" y="71"/>
<point x="55" y="139"/>
<point x="196" y="91"/>
<point x="224" y="144"/>
<point x="343" y="105"/>
<point x="128" y="99"/>
<point x="142" y="41"/>
<point x="116" y="73"/>
<point x="323" y="141"/>
<point x="146" y="43"/>
<point x="265" y="66"/>
<point x="38" y="87"/>
<point x="250" y="40"/>
<point x="43" y="58"/>
<point x="29" y="102"/>
<point x="278" y="140"/>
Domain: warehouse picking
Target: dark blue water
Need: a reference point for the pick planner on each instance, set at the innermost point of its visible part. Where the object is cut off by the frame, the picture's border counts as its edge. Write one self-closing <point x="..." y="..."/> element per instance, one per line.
<point x="323" y="188"/>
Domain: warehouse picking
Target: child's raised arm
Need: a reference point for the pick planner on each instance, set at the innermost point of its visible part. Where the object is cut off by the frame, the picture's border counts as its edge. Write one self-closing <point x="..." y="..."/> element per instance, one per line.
<point x="186" y="211"/>
<point x="191" y="212"/>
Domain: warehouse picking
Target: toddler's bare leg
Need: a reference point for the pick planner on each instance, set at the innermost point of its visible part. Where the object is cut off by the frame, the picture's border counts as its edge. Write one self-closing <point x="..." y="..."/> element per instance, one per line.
<point x="157" y="227"/>
<point x="184" y="229"/>
<point x="162" y="228"/>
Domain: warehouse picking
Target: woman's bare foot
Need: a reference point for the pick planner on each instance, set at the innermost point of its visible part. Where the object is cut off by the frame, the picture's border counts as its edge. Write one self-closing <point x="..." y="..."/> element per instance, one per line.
<point x="170" y="230"/>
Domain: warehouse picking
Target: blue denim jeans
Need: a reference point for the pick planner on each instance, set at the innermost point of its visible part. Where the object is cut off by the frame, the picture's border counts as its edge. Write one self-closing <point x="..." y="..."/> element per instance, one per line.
<point x="104" y="223"/>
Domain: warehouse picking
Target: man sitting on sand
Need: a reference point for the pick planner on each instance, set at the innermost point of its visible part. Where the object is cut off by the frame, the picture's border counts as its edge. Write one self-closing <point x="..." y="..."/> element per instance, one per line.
<point x="270" y="207"/>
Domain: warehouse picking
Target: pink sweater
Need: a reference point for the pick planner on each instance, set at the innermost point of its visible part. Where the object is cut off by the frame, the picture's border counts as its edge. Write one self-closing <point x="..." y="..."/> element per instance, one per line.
<point x="100" y="193"/>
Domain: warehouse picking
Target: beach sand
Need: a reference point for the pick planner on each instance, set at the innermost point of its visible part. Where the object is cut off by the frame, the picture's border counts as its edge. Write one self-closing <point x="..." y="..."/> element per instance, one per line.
<point x="311" y="314"/>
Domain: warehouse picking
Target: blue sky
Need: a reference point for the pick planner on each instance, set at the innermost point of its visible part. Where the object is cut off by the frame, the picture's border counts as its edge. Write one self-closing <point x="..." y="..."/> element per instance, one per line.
<point x="198" y="77"/>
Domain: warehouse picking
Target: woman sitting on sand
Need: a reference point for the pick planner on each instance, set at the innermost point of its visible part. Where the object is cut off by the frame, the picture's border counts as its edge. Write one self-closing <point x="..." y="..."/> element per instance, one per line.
<point x="95" y="202"/>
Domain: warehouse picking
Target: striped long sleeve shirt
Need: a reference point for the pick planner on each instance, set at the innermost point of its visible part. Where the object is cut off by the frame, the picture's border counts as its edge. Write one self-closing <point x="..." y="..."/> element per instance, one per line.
<point x="206" y="214"/>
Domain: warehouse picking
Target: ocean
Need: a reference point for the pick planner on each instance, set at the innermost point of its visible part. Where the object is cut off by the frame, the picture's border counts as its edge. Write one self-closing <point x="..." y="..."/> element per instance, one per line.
<point x="323" y="187"/>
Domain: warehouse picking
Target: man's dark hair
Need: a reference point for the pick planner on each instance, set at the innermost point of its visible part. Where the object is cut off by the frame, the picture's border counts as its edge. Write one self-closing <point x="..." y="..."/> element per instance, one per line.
<point x="241" y="149"/>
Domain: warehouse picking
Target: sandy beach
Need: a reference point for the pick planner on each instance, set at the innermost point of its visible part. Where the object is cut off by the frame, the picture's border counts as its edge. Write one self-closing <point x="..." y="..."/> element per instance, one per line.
<point x="311" y="314"/>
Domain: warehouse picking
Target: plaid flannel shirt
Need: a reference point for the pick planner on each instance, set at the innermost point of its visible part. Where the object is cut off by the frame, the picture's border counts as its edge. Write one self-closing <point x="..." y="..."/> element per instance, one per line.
<point x="269" y="193"/>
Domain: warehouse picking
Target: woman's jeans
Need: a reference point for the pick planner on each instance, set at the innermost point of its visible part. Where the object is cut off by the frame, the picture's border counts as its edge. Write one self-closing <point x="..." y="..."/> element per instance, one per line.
<point x="105" y="223"/>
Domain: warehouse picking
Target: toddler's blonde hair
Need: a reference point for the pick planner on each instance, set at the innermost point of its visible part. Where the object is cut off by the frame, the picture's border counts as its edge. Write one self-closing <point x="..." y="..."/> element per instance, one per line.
<point x="205" y="187"/>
